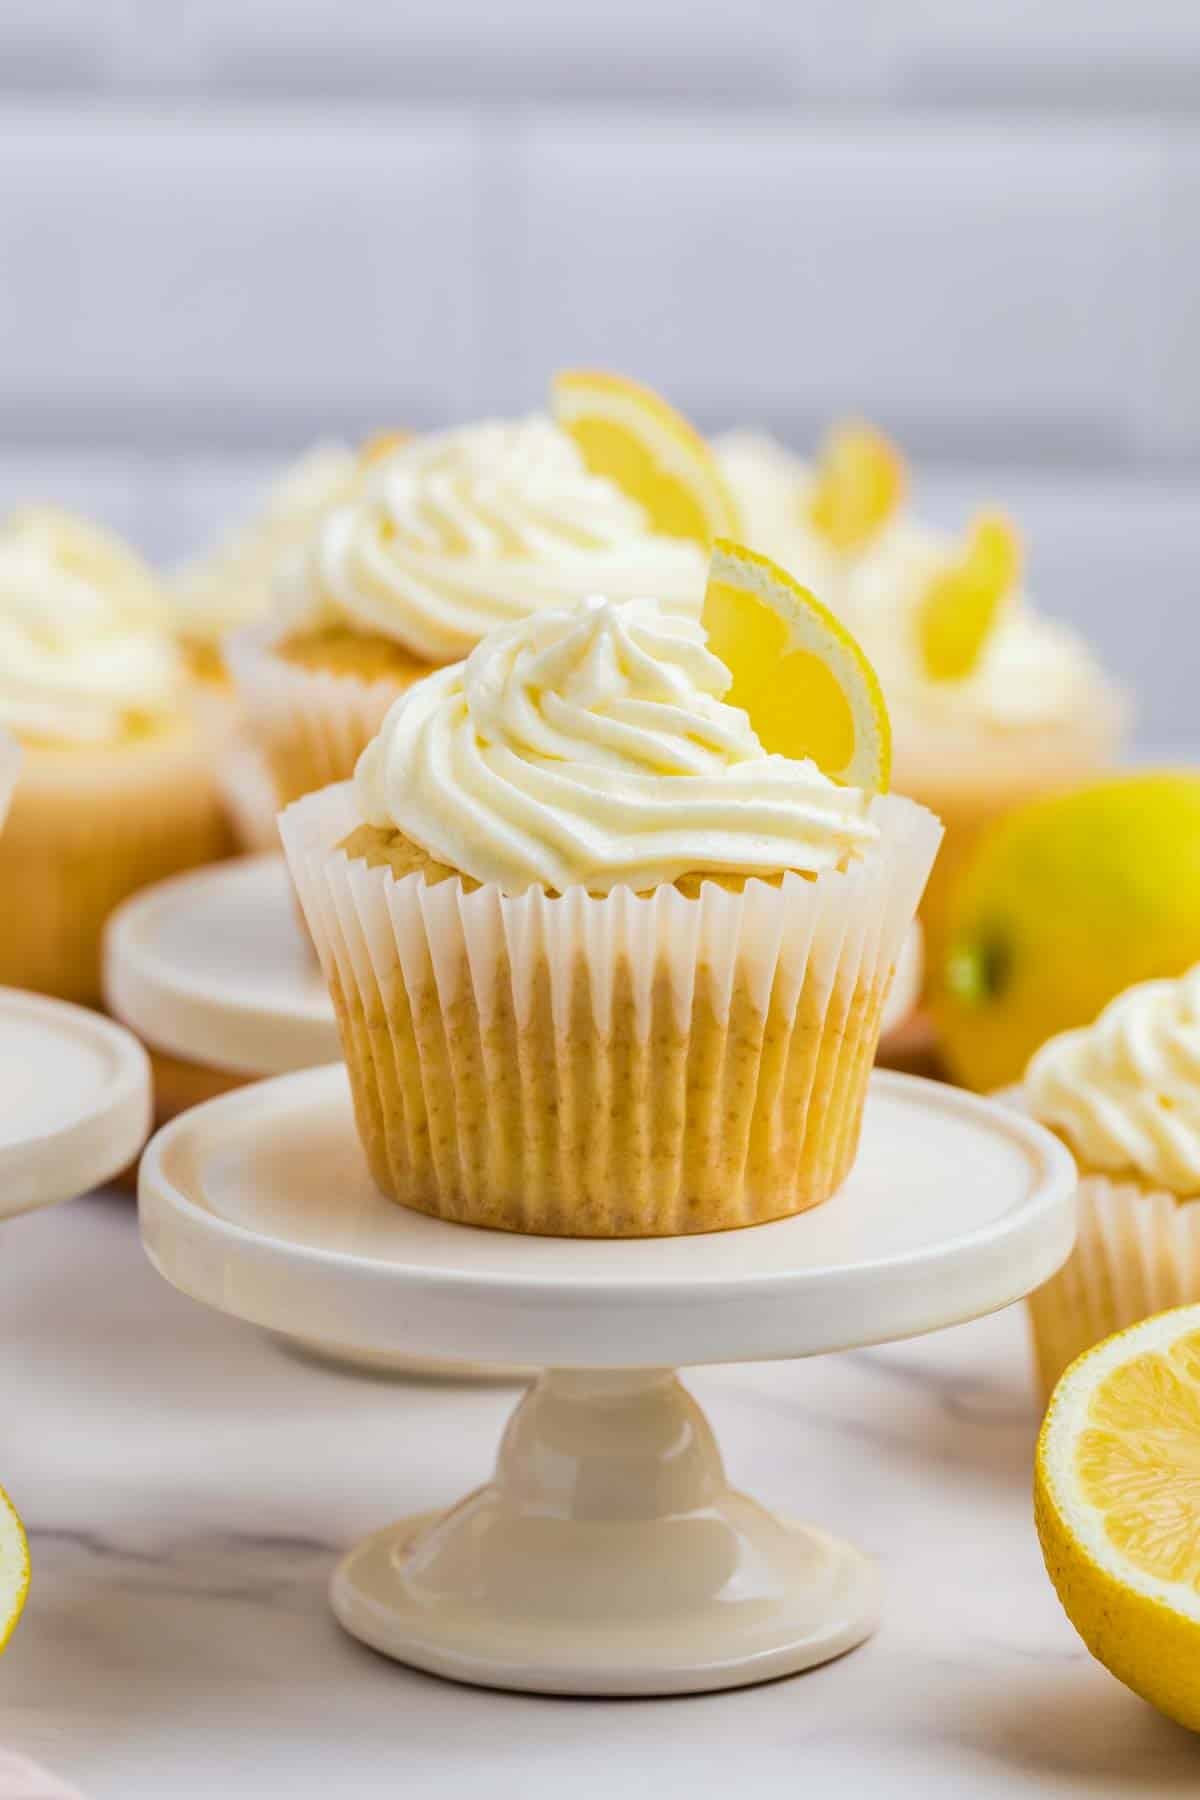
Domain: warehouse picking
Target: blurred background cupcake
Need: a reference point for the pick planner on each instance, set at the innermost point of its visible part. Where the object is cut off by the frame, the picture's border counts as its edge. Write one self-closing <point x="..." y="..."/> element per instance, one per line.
<point x="117" y="782"/>
<point x="231" y="584"/>
<point x="453" y="534"/>
<point x="991" y="702"/>
<point x="1124" y="1095"/>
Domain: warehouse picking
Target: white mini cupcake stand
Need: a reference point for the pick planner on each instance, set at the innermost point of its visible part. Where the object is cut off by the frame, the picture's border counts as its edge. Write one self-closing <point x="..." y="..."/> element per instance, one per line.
<point x="608" y="1554"/>
<point x="74" y="1100"/>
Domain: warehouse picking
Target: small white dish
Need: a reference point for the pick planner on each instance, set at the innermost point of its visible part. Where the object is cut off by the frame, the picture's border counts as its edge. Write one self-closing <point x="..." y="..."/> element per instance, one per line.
<point x="75" y="1103"/>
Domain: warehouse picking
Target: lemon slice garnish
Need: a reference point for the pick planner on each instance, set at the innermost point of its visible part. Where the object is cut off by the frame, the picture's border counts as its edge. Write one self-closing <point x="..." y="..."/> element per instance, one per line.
<point x="631" y="435"/>
<point x="14" y="1568"/>
<point x="858" y="483"/>
<point x="964" y="601"/>
<point x="803" y="680"/>
<point x="1117" y="1502"/>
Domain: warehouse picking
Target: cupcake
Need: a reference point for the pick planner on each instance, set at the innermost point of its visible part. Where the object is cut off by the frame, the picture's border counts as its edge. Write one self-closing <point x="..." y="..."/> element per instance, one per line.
<point x="819" y="519"/>
<point x="116" y="785"/>
<point x="10" y="763"/>
<point x="230" y="586"/>
<point x="991" y="703"/>
<point x="452" y="535"/>
<point x="1124" y="1096"/>
<point x="602" y="966"/>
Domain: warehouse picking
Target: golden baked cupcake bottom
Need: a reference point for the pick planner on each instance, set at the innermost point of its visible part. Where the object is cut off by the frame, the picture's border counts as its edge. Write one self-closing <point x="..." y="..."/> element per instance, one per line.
<point x="85" y="830"/>
<point x="622" y="1067"/>
<point x="315" y="699"/>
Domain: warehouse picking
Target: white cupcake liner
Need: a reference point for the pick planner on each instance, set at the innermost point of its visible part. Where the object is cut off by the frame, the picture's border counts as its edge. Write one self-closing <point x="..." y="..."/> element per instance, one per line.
<point x="310" y="724"/>
<point x="601" y="1066"/>
<point x="1137" y="1252"/>
<point x="249" y="796"/>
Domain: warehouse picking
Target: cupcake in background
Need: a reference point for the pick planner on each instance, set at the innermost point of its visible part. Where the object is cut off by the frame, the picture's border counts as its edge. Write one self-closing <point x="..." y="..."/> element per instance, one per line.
<point x="453" y="535"/>
<point x="1124" y="1096"/>
<point x="230" y="585"/>
<point x="991" y="703"/>
<point x="116" y="786"/>
<point x="818" y="519"/>
<point x="603" y="966"/>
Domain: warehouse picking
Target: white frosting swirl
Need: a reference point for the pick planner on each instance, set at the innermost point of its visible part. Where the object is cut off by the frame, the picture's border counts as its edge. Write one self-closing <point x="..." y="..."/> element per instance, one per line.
<point x="460" y="532"/>
<point x="590" y="747"/>
<point x="232" y="584"/>
<point x="1125" y="1091"/>
<point x="1031" y="671"/>
<point x="83" y="633"/>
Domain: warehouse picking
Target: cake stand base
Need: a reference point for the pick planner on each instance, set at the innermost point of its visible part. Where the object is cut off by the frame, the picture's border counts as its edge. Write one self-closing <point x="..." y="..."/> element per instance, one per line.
<point x="608" y="1556"/>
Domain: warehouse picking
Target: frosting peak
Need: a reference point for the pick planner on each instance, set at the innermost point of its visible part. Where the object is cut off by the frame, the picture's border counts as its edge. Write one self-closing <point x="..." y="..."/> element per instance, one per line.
<point x="83" y="640"/>
<point x="591" y="746"/>
<point x="461" y="531"/>
<point x="1126" y="1091"/>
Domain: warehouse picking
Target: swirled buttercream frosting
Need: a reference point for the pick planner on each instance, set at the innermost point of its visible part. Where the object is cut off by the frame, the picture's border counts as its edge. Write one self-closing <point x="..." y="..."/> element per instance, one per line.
<point x="84" y="648"/>
<point x="591" y="746"/>
<point x="1125" y="1092"/>
<point x="462" y="531"/>
<point x="232" y="585"/>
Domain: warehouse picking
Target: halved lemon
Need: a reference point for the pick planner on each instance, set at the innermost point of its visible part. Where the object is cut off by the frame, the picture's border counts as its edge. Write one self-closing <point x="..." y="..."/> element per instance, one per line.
<point x="805" y="683"/>
<point x="858" y="483"/>
<point x="1117" y="1504"/>
<point x="631" y="435"/>
<point x="962" y="603"/>
<point x="14" y="1568"/>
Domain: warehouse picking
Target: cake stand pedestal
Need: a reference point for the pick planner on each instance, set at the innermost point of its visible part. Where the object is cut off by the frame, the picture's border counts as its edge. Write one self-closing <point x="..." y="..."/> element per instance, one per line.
<point x="608" y="1554"/>
<point x="74" y="1100"/>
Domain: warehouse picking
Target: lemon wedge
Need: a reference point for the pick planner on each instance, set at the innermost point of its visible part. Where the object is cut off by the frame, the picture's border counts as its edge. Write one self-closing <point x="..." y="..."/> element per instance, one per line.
<point x="1117" y="1503"/>
<point x="962" y="603"/>
<point x="14" y="1568"/>
<point x="858" y="483"/>
<point x="804" y="682"/>
<point x="629" y="434"/>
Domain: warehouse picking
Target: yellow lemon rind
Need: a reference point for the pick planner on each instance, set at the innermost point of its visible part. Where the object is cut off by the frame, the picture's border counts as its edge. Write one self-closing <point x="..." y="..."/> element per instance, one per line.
<point x="14" y="1546"/>
<point x="672" y="444"/>
<point x="812" y="627"/>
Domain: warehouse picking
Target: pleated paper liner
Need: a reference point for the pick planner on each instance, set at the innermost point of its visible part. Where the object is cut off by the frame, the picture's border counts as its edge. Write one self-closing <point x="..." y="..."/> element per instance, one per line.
<point x="1137" y="1253"/>
<point x="85" y="830"/>
<point x="608" y="1067"/>
<point x="10" y="763"/>
<point x="310" y="725"/>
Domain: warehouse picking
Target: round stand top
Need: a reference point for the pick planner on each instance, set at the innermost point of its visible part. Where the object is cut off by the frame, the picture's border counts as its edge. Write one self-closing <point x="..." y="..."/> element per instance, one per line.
<point x="74" y="1102"/>
<point x="213" y="966"/>
<point x="260" y="1203"/>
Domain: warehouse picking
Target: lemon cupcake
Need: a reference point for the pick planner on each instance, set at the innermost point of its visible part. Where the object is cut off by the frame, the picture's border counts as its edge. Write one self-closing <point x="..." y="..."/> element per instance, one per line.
<point x="602" y="965"/>
<point x="116" y="785"/>
<point x="991" y="703"/>
<point x="1124" y="1095"/>
<point x="454" y="534"/>
<point x="230" y="586"/>
<point x="819" y="519"/>
<point x="10" y="763"/>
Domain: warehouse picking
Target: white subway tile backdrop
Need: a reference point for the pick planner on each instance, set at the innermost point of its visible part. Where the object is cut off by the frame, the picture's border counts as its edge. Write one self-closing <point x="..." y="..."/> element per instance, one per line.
<point x="229" y="227"/>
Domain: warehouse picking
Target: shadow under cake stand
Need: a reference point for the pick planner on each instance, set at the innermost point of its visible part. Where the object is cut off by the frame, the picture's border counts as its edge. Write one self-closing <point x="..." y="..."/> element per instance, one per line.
<point x="608" y="1555"/>
<point x="74" y="1100"/>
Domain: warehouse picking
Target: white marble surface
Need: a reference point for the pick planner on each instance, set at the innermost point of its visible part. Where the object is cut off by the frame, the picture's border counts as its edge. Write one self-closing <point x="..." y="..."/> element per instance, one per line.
<point x="187" y="1484"/>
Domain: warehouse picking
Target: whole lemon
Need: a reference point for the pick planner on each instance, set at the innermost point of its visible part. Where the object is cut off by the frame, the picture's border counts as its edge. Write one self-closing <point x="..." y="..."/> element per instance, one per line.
<point x="1062" y="904"/>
